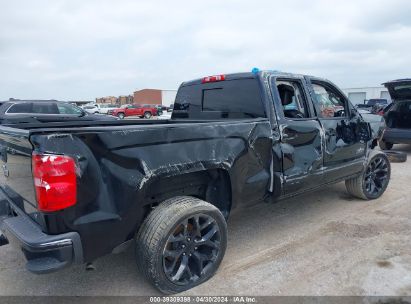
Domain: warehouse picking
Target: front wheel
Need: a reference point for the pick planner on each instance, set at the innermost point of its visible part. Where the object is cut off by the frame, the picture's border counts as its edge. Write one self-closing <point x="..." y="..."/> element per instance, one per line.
<point x="373" y="181"/>
<point x="121" y="115"/>
<point x="181" y="244"/>
<point x="147" y="115"/>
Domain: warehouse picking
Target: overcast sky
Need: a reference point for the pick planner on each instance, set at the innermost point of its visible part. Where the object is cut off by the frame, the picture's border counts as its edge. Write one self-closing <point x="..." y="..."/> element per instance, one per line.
<point x="82" y="49"/>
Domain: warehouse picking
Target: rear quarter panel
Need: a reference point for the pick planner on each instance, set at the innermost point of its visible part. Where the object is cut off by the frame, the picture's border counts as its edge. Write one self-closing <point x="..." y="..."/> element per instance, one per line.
<point x="116" y="167"/>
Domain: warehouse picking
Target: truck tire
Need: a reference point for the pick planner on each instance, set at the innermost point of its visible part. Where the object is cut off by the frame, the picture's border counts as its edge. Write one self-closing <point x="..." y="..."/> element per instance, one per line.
<point x="373" y="181"/>
<point x="181" y="244"/>
<point x="396" y="156"/>
<point x="385" y="145"/>
<point x="147" y="115"/>
<point x="121" y="115"/>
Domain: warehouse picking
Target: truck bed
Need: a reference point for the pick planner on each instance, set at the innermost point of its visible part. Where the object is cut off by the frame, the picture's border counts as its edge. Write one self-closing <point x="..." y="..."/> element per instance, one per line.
<point x="123" y="167"/>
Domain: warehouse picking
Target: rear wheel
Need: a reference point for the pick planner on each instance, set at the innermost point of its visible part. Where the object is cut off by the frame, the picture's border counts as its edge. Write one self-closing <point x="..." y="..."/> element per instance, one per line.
<point x="121" y="115"/>
<point x="373" y="182"/>
<point x="147" y="115"/>
<point x="181" y="244"/>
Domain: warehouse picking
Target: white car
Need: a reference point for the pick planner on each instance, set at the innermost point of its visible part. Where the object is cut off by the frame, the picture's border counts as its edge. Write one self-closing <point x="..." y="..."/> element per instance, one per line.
<point x="104" y="108"/>
<point x="99" y="108"/>
<point x="93" y="109"/>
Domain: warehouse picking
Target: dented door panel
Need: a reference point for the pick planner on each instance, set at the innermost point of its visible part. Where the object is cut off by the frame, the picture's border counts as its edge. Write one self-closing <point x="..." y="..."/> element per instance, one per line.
<point x="302" y="154"/>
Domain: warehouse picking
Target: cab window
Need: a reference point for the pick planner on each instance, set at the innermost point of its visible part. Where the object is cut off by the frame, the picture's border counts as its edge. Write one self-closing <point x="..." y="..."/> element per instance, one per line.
<point x="330" y="104"/>
<point x="45" y="108"/>
<point x="292" y="99"/>
<point x="19" y="108"/>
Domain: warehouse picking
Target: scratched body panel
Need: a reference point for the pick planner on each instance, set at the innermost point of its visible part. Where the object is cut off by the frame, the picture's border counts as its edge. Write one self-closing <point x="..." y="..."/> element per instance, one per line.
<point x="116" y="169"/>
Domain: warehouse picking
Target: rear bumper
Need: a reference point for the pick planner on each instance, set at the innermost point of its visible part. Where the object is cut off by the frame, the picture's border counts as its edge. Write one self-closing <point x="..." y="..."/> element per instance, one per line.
<point x="44" y="253"/>
<point x="397" y="136"/>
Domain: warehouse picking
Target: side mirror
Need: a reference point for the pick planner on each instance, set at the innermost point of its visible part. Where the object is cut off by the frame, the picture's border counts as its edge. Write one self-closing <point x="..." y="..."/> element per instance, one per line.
<point x="364" y="131"/>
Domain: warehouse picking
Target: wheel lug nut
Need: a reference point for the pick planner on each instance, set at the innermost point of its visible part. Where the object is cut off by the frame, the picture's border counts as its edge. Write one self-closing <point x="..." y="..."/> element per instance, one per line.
<point x="183" y="246"/>
<point x="195" y="248"/>
<point x="188" y="239"/>
<point x="184" y="253"/>
<point x="190" y="254"/>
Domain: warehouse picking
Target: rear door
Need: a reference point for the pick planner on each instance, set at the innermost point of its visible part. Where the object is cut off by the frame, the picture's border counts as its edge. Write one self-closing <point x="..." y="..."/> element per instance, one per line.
<point x="344" y="147"/>
<point x="301" y="135"/>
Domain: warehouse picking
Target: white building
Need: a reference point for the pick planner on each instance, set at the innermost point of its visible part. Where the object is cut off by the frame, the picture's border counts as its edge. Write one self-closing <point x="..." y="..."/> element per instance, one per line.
<point x="358" y="95"/>
<point x="168" y="97"/>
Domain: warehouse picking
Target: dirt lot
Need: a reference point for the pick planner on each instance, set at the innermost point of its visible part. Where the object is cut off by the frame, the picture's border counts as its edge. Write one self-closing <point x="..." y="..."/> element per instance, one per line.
<point x="324" y="243"/>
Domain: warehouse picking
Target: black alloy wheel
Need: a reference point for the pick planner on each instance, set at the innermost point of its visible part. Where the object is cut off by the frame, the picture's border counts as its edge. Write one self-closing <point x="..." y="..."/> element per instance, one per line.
<point x="376" y="176"/>
<point x="191" y="249"/>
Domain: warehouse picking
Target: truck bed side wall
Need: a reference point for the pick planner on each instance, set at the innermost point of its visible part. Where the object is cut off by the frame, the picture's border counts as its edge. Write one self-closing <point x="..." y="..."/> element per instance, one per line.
<point x="121" y="173"/>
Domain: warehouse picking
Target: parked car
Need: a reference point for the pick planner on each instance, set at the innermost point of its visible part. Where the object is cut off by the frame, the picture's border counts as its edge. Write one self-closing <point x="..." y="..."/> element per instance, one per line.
<point x="373" y="105"/>
<point x="43" y="111"/>
<point x="104" y="108"/>
<point x="384" y="109"/>
<point x="142" y="111"/>
<point x="398" y="116"/>
<point x="167" y="187"/>
<point x="93" y="109"/>
<point x="170" y="108"/>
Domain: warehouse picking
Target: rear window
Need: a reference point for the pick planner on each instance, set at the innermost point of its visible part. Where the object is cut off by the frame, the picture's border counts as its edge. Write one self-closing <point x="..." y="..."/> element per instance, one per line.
<point x="20" y="108"/>
<point x="240" y="98"/>
<point x="45" y="108"/>
<point x="403" y="90"/>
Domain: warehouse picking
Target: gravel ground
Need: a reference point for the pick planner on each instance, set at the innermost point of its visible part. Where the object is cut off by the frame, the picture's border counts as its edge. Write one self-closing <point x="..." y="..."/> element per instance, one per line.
<point x="322" y="243"/>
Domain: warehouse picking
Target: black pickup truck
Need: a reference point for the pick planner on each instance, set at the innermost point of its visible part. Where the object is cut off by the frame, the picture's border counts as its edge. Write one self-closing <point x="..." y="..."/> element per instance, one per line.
<point x="74" y="191"/>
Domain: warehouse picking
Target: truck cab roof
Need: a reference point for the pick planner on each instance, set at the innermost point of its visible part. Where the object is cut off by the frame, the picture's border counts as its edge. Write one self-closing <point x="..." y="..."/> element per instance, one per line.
<point x="244" y="75"/>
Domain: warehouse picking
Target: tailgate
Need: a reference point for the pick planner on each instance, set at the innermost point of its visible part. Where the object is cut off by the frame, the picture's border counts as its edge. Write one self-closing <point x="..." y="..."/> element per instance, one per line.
<point x="15" y="172"/>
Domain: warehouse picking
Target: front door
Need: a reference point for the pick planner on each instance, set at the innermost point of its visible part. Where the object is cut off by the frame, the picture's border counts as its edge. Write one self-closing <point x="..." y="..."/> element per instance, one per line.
<point x="300" y="132"/>
<point x="344" y="149"/>
<point x="133" y="110"/>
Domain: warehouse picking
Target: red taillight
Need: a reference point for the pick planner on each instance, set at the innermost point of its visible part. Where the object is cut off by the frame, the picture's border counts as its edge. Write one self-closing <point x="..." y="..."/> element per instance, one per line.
<point x="54" y="181"/>
<point x="380" y="113"/>
<point x="214" y="78"/>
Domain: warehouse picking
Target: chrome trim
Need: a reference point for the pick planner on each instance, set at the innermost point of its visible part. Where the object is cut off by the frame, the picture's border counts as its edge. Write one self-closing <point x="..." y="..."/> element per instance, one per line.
<point x="59" y="243"/>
